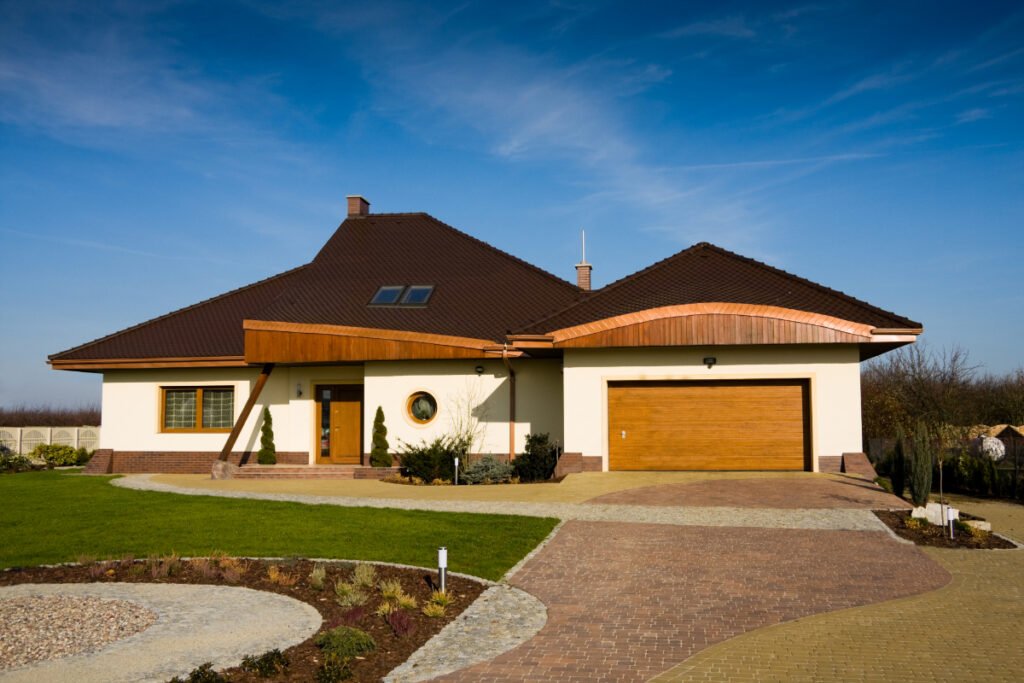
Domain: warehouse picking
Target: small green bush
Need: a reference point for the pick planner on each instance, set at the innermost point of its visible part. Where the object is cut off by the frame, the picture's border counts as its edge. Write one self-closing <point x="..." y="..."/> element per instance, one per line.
<point x="436" y="459"/>
<point x="379" y="455"/>
<point x="268" y="452"/>
<point x="539" y="460"/>
<point x="54" y="455"/>
<point x="344" y="642"/>
<point x="267" y="664"/>
<point x="488" y="471"/>
<point x="333" y="669"/>
<point x="204" y="673"/>
<point x="12" y="462"/>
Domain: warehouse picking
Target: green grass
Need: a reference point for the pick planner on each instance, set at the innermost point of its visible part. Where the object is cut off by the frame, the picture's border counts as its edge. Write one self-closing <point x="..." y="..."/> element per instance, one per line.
<point x="49" y="517"/>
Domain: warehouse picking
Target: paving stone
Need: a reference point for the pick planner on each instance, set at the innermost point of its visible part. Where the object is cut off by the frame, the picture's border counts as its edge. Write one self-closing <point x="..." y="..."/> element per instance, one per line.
<point x="627" y="601"/>
<point x="971" y="630"/>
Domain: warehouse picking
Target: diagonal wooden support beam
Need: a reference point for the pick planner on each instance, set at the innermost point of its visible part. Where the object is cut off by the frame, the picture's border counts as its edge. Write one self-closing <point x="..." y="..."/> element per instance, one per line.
<point x="244" y="415"/>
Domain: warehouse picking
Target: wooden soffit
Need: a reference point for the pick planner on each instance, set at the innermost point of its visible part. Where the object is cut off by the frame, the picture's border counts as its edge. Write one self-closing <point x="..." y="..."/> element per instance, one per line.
<point x="278" y="342"/>
<point x="708" y="324"/>
<point x="101" y="364"/>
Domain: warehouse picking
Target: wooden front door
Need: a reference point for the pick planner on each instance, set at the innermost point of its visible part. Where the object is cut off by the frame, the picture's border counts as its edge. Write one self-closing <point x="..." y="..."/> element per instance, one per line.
<point x="724" y="425"/>
<point x="340" y="424"/>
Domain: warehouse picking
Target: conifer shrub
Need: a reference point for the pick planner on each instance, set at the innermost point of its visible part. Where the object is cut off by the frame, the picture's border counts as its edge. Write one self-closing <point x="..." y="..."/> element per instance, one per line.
<point x="922" y="456"/>
<point x="268" y="452"/>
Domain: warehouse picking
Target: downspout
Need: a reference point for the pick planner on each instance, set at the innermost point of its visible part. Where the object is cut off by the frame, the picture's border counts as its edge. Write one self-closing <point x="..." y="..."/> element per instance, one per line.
<point x="511" y="403"/>
<point x="250" y="402"/>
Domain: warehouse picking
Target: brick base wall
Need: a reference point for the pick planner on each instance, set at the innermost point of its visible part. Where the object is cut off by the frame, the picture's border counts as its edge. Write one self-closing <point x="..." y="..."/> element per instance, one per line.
<point x="182" y="462"/>
<point x="858" y="463"/>
<point x="830" y="464"/>
<point x="571" y="463"/>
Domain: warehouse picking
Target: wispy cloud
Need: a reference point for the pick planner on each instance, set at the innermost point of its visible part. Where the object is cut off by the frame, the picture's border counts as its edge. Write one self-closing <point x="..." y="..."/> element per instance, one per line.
<point x="110" y="247"/>
<point x="878" y="81"/>
<point x="769" y="163"/>
<point x="971" y="115"/>
<point x="999" y="59"/>
<point x="728" y="27"/>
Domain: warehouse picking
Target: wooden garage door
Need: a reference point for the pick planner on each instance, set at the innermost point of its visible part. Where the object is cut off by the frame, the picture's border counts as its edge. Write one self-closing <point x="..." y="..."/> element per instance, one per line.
<point x="755" y="425"/>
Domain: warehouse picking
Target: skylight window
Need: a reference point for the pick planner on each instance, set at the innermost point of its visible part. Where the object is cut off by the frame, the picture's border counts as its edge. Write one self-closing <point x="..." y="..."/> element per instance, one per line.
<point x="417" y="295"/>
<point x="387" y="295"/>
<point x="402" y="295"/>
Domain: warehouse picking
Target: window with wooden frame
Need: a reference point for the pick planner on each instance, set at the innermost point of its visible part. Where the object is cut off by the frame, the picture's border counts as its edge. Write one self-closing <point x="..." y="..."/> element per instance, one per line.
<point x="197" y="409"/>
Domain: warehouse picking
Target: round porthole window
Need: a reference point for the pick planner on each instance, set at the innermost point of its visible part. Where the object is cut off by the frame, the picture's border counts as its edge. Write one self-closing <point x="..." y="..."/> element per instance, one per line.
<point x="422" y="407"/>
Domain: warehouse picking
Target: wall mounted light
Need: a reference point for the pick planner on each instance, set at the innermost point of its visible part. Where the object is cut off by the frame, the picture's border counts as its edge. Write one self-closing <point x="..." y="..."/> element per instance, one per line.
<point x="479" y="369"/>
<point x="710" y="361"/>
<point x="298" y="390"/>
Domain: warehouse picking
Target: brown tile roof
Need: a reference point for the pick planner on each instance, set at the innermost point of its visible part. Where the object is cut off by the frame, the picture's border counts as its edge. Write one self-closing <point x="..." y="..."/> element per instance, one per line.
<point x="706" y="273"/>
<point x="208" y="328"/>
<point x="479" y="291"/>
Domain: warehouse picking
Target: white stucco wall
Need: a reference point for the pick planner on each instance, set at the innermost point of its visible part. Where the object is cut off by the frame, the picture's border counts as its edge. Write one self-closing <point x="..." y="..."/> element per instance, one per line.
<point x="131" y="403"/>
<point x="459" y="392"/>
<point x="833" y="373"/>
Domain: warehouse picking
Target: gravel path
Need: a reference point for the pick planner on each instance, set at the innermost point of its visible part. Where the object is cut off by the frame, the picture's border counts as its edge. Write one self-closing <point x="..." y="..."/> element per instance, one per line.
<point x="194" y="624"/>
<point x="34" y="628"/>
<point x="502" y="618"/>
<point x="833" y="520"/>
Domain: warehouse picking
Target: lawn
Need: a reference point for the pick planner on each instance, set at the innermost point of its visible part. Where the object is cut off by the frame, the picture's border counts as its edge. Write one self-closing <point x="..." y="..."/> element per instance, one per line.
<point x="50" y="517"/>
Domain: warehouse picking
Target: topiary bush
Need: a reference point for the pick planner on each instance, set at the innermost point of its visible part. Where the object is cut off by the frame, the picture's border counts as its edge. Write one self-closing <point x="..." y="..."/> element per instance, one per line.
<point x="489" y="470"/>
<point x="379" y="455"/>
<point x="54" y="455"/>
<point x="345" y="642"/>
<point x="268" y="452"/>
<point x="83" y="456"/>
<point x="436" y="459"/>
<point x="539" y="460"/>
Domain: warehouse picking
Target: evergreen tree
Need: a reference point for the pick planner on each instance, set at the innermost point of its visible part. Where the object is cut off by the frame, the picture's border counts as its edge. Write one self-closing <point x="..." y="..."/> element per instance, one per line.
<point x="379" y="456"/>
<point x="268" y="453"/>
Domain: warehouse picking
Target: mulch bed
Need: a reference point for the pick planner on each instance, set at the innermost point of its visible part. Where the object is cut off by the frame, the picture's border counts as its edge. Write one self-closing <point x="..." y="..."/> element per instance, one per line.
<point x="306" y="657"/>
<point x="937" y="536"/>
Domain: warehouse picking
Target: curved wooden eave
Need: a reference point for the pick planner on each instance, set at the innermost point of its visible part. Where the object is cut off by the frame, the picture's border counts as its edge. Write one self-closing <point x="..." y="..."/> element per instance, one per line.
<point x="719" y="323"/>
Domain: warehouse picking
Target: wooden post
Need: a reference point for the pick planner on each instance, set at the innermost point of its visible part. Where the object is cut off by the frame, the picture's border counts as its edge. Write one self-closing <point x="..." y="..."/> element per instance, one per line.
<point x="250" y="402"/>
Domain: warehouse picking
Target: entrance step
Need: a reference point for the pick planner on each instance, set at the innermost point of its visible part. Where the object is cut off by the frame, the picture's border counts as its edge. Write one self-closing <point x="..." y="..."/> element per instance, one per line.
<point x="313" y="472"/>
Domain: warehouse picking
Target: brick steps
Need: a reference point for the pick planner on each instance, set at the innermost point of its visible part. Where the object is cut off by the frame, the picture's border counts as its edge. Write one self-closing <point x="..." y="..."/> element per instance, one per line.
<point x="312" y="472"/>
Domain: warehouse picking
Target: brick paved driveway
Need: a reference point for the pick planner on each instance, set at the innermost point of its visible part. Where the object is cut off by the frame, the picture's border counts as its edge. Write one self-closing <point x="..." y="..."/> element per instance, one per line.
<point x="795" y="493"/>
<point x="628" y="601"/>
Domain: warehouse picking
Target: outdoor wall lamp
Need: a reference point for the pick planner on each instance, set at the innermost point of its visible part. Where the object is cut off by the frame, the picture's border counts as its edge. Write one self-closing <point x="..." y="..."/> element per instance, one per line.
<point x="298" y="390"/>
<point x="710" y="361"/>
<point x="479" y="369"/>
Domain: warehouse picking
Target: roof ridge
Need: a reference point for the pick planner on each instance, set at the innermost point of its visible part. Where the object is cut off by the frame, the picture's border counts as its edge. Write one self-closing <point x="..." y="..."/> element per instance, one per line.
<point x="178" y="311"/>
<point x="496" y="250"/>
<point x="613" y="285"/>
<point x="805" y="281"/>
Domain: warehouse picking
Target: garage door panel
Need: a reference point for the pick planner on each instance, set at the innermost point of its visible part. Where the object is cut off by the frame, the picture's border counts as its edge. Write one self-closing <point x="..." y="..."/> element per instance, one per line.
<point x="707" y="425"/>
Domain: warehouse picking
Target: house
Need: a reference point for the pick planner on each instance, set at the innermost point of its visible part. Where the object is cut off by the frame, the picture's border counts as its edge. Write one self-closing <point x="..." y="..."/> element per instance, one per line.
<point x="705" y="360"/>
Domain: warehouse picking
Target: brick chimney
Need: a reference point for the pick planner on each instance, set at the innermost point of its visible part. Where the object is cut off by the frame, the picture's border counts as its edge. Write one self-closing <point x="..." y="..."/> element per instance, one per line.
<point x="583" y="275"/>
<point x="583" y="268"/>
<point x="357" y="206"/>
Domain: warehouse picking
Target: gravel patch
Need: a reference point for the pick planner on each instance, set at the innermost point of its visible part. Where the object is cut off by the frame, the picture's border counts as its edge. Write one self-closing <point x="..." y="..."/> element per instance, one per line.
<point x="502" y="618"/>
<point x="194" y="624"/>
<point x="34" y="628"/>
<point x="825" y="519"/>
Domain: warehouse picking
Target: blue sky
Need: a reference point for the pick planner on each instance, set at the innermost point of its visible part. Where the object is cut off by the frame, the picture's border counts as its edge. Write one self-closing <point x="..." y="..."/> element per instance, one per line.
<point x="155" y="154"/>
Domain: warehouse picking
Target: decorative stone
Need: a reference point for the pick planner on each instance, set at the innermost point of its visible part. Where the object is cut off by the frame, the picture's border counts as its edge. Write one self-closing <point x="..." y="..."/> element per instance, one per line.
<point x="978" y="524"/>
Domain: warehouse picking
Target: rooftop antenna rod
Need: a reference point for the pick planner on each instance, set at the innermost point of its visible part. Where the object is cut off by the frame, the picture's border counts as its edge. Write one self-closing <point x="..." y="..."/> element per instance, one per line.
<point x="583" y="237"/>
